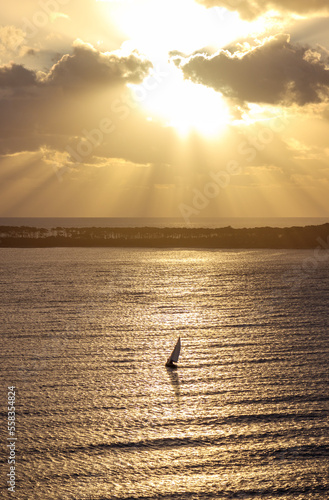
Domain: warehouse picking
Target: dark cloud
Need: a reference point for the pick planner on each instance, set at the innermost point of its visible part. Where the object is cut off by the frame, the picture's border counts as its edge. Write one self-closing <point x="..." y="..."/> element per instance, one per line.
<point x="87" y="66"/>
<point x="30" y="52"/>
<point x="15" y="75"/>
<point x="77" y="93"/>
<point x="250" y="9"/>
<point x="275" y="72"/>
<point x="63" y="109"/>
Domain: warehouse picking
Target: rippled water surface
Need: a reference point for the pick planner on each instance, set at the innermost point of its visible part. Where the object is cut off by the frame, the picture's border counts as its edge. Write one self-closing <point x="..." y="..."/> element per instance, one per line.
<point x="85" y="335"/>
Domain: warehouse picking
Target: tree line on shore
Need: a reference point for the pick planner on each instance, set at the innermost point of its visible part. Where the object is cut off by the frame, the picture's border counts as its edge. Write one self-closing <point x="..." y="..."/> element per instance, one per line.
<point x="227" y="237"/>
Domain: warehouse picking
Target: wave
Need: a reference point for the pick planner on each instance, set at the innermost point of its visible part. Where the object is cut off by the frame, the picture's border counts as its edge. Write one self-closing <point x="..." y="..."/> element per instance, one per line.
<point x="286" y="493"/>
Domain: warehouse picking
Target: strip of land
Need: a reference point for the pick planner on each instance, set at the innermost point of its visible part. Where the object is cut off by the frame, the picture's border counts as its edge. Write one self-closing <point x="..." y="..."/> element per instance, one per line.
<point x="151" y="237"/>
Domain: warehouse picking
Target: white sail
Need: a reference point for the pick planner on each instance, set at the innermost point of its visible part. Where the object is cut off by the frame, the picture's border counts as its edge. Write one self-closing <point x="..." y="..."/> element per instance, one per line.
<point x="176" y="352"/>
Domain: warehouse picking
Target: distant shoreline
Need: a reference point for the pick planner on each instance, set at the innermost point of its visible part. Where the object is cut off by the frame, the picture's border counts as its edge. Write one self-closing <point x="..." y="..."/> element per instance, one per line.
<point x="295" y="237"/>
<point x="163" y="222"/>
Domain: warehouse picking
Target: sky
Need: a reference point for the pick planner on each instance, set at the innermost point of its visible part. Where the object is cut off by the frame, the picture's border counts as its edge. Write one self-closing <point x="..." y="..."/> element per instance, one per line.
<point x="164" y="108"/>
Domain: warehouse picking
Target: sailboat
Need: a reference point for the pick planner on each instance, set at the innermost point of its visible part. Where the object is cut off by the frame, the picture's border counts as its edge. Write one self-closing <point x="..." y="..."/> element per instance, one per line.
<point x="173" y="358"/>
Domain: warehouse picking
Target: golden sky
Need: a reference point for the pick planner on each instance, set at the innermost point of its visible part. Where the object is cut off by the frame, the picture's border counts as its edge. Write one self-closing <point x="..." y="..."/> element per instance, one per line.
<point x="164" y="108"/>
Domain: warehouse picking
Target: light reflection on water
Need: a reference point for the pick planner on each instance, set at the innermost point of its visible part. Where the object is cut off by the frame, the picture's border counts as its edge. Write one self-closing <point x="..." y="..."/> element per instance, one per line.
<point x="87" y="333"/>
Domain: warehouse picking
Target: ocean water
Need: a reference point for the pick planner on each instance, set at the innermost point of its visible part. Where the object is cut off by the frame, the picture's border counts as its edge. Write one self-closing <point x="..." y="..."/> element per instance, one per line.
<point x="85" y="334"/>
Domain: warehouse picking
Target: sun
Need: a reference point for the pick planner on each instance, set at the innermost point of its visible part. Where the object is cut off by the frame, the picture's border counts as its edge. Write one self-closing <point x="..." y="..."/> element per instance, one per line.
<point x="184" y="105"/>
<point x="155" y="28"/>
<point x="158" y="26"/>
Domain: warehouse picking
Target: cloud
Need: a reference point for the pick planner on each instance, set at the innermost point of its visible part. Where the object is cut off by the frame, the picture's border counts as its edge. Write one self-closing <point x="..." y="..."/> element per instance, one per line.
<point x="12" y="42"/>
<point x="11" y="38"/>
<point x="250" y="9"/>
<point x="85" y="68"/>
<point x="275" y="72"/>
<point x="64" y="109"/>
<point x="88" y="66"/>
<point x="39" y="108"/>
<point x="15" y="75"/>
